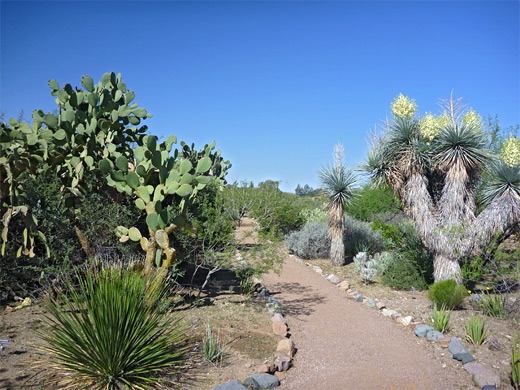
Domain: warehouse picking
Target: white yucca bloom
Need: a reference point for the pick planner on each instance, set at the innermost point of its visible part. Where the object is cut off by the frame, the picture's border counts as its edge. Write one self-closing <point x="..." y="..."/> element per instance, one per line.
<point x="472" y="119"/>
<point x="429" y="127"/>
<point x="403" y="107"/>
<point x="443" y="120"/>
<point x="510" y="152"/>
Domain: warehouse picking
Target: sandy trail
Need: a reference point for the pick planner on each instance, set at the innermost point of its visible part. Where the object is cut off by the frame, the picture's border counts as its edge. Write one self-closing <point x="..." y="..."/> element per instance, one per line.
<point x="344" y="345"/>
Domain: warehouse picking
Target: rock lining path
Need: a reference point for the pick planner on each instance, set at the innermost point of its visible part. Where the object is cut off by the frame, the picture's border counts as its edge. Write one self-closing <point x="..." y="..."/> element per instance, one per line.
<point x="343" y="345"/>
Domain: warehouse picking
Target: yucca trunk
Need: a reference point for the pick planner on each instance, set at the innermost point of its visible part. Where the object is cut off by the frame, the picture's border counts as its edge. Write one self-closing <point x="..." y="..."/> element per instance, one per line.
<point x="446" y="268"/>
<point x="336" y="230"/>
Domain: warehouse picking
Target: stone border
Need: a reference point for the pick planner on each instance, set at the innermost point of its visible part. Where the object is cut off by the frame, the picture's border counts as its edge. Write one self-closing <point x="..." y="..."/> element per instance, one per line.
<point x="484" y="377"/>
<point x="269" y="375"/>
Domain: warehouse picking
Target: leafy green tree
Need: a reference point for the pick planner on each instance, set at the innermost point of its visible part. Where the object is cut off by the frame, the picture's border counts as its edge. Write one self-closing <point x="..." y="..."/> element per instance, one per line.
<point x="373" y="200"/>
<point x="434" y="163"/>
<point x="338" y="183"/>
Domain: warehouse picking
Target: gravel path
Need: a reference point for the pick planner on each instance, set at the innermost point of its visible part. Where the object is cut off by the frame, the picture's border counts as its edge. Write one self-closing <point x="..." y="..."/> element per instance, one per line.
<point x="344" y="345"/>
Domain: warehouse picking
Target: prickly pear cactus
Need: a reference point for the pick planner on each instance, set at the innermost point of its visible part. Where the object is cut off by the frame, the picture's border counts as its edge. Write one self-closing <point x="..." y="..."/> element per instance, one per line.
<point x="96" y="122"/>
<point x="158" y="177"/>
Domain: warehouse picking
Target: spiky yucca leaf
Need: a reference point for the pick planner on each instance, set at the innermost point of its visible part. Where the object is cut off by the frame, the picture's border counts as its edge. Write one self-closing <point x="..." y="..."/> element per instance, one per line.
<point x="462" y="144"/>
<point x="503" y="179"/>
<point x="338" y="183"/>
<point x="110" y="332"/>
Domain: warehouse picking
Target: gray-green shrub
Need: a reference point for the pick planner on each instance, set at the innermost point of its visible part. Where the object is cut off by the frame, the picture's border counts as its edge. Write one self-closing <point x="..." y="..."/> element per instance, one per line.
<point x="312" y="241"/>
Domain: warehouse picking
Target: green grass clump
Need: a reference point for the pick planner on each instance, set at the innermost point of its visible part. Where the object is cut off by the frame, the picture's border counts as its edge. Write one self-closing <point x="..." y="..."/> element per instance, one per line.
<point x="494" y="305"/>
<point x="107" y="331"/>
<point x="447" y="293"/>
<point x="212" y="347"/>
<point x="440" y="318"/>
<point x="476" y="329"/>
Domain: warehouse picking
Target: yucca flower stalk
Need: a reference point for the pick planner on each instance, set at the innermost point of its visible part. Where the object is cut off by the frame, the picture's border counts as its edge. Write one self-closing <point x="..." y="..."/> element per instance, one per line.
<point x="110" y="331"/>
<point x="338" y="183"/>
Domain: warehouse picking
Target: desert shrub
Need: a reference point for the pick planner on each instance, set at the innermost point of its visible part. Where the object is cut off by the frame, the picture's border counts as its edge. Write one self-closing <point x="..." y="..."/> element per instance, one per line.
<point x="373" y="200"/>
<point x="314" y="215"/>
<point x="311" y="242"/>
<point x="359" y="237"/>
<point x="97" y="216"/>
<point x="494" y="305"/>
<point x="110" y="331"/>
<point x="402" y="273"/>
<point x="447" y="293"/>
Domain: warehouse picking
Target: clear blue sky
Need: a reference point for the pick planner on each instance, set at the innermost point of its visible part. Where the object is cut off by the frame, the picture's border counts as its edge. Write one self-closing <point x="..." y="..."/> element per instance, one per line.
<point x="275" y="84"/>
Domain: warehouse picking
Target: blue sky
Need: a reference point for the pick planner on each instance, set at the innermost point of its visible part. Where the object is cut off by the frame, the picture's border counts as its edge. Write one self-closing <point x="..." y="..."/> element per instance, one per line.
<point x="275" y="84"/>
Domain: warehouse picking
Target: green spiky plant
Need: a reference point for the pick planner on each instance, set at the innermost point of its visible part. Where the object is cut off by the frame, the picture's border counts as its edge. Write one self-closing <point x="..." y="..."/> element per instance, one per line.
<point x="434" y="165"/>
<point x="515" y="361"/>
<point x="337" y="182"/>
<point x="108" y="331"/>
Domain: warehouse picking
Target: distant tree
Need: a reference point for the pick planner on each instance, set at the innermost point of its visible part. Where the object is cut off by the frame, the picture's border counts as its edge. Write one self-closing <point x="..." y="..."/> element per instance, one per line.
<point x="269" y="184"/>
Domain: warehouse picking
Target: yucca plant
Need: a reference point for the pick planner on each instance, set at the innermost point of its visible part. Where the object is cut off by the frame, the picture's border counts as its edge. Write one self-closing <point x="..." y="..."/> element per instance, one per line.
<point x="434" y="164"/>
<point x="494" y="305"/>
<point x="108" y="331"/>
<point x="476" y="329"/>
<point x="338" y="183"/>
<point x="440" y="318"/>
<point x="212" y="347"/>
<point x="515" y="362"/>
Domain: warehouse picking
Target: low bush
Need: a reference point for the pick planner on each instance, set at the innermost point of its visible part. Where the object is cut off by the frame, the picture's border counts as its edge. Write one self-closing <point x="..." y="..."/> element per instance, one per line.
<point x="311" y="242"/>
<point x="109" y="330"/>
<point x="447" y="293"/>
<point x="402" y="273"/>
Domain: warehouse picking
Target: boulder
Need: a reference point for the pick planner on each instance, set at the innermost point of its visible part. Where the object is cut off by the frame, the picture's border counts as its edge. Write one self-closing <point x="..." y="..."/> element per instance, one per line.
<point x="405" y="321"/>
<point x="456" y="347"/>
<point x="380" y="305"/>
<point x="261" y="381"/>
<point x="434" y="336"/>
<point x="233" y="385"/>
<point x="359" y="298"/>
<point x="278" y="318"/>
<point x="282" y="362"/>
<point x="333" y="279"/>
<point x="422" y="329"/>
<point x="464" y="357"/>
<point x="280" y="328"/>
<point x="273" y="308"/>
<point x="444" y="342"/>
<point x="280" y="375"/>
<point x="286" y="346"/>
<point x="388" y="312"/>
<point x="482" y="375"/>
<point x="494" y="344"/>
<point x="344" y="286"/>
<point x="370" y="303"/>
<point x="395" y="316"/>
<point x="265" y="368"/>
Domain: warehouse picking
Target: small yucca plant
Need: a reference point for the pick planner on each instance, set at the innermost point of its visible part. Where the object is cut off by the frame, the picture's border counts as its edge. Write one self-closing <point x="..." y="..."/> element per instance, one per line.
<point x="109" y="331"/>
<point x="476" y="329"/>
<point x="212" y="348"/>
<point x="440" y="318"/>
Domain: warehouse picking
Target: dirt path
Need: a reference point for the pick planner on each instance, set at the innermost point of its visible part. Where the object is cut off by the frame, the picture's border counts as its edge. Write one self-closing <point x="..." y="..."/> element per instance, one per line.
<point x="344" y="345"/>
